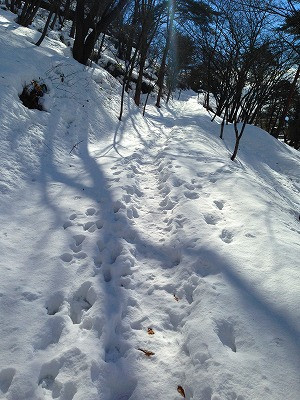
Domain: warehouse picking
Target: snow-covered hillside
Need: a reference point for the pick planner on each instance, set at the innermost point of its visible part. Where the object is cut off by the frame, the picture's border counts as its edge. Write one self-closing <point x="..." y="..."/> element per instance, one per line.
<point x="137" y="261"/>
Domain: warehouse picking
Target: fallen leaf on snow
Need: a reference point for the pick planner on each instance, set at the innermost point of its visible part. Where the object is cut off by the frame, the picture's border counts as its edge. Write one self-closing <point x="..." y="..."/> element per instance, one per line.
<point x="181" y="390"/>
<point x="147" y="352"/>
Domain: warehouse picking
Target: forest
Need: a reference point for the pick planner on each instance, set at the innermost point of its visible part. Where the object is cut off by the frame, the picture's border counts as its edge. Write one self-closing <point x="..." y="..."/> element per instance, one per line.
<point x="242" y="54"/>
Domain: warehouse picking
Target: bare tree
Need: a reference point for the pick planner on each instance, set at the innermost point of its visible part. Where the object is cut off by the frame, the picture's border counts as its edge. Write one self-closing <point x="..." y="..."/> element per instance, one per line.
<point x="93" y="18"/>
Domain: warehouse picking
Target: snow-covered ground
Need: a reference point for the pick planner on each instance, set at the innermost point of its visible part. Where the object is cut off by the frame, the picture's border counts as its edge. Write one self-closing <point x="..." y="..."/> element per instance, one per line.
<point x="141" y="263"/>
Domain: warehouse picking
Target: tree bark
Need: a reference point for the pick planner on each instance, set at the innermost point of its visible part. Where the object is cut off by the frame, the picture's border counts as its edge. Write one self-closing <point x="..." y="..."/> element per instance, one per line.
<point x="39" y="42"/>
<point x="162" y="69"/>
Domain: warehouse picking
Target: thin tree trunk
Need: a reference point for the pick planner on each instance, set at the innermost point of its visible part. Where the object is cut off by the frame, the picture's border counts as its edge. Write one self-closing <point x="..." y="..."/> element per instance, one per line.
<point x="146" y="101"/>
<point x="73" y="27"/>
<point x="123" y="90"/>
<point x="39" y="42"/>
<point x="66" y="11"/>
<point x="162" y="69"/>
<point x="131" y="69"/>
<point x="122" y="99"/>
<point x="288" y="103"/>
<point x="54" y="20"/>
<point x="223" y="123"/>
<point x="100" y="48"/>
<point x="238" y="136"/>
<point x="161" y="75"/>
<point x="138" y="89"/>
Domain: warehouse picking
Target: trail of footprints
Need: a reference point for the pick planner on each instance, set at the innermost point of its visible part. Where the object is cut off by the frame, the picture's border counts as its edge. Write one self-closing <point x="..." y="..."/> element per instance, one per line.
<point x="173" y="224"/>
<point x="114" y="259"/>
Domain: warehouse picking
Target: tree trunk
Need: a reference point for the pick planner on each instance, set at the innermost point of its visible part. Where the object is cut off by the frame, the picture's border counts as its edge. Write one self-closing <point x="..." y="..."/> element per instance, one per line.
<point x="238" y="136"/>
<point x="66" y="11"/>
<point x="162" y="69"/>
<point x="45" y="29"/>
<point x="223" y="122"/>
<point x="146" y="101"/>
<point x="131" y="68"/>
<point x="288" y="103"/>
<point x="84" y="42"/>
<point x="123" y="90"/>
<point x="73" y="28"/>
<point x="28" y="12"/>
<point x="161" y="75"/>
<point x="138" y="89"/>
<point x="54" y="20"/>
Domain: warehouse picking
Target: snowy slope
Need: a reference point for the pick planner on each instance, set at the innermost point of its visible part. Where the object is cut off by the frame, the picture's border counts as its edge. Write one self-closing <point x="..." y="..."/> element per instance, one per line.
<point x="145" y="237"/>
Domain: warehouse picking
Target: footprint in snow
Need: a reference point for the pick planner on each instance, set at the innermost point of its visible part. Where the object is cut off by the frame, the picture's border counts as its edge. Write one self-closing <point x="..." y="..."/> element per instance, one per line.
<point x="50" y="333"/>
<point x="6" y="378"/>
<point x="132" y="213"/>
<point x="226" y="236"/>
<point x="54" y="303"/>
<point x="204" y="269"/>
<point x="48" y="373"/>
<point x="30" y="296"/>
<point x="98" y="261"/>
<point x="91" y="226"/>
<point x="167" y="204"/>
<point x="66" y="257"/>
<point x="82" y="300"/>
<point x="107" y="275"/>
<point x="114" y="352"/>
<point x="192" y="195"/>
<point x="127" y="198"/>
<point x="225" y="332"/>
<point x="211" y="219"/>
<point x="69" y="223"/>
<point x="48" y="381"/>
<point x="177" y="182"/>
<point x="219" y="204"/>
<point x="81" y="255"/>
<point x="189" y="186"/>
<point x="90" y="211"/>
<point x="250" y="235"/>
<point x="77" y="246"/>
<point x="164" y="190"/>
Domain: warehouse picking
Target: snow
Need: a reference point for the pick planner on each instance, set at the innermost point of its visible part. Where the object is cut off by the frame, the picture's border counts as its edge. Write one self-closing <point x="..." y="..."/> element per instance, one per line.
<point x="145" y="223"/>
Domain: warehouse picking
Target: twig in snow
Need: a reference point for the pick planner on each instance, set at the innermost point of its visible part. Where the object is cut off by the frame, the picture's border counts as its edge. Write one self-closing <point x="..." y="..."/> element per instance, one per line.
<point x="75" y="146"/>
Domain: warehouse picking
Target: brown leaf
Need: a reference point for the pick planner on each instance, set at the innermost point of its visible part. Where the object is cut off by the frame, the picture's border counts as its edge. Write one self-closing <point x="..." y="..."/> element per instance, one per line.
<point x="150" y="331"/>
<point x="147" y="352"/>
<point x="175" y="297"/>
<point x="181" y="390"/>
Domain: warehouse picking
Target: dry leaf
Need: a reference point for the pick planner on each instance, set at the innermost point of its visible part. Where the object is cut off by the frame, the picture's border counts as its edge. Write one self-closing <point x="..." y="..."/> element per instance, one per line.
<point x="176" y="298"/>
<point x="180" y="390"/>
<point x="147" y="352"/>
<point x="150" y="331"/>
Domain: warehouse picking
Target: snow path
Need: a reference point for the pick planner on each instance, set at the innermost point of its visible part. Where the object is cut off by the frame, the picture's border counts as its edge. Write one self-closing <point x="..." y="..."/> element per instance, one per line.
<point x="144" y="260"/>
<point x="143" y="266"/>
